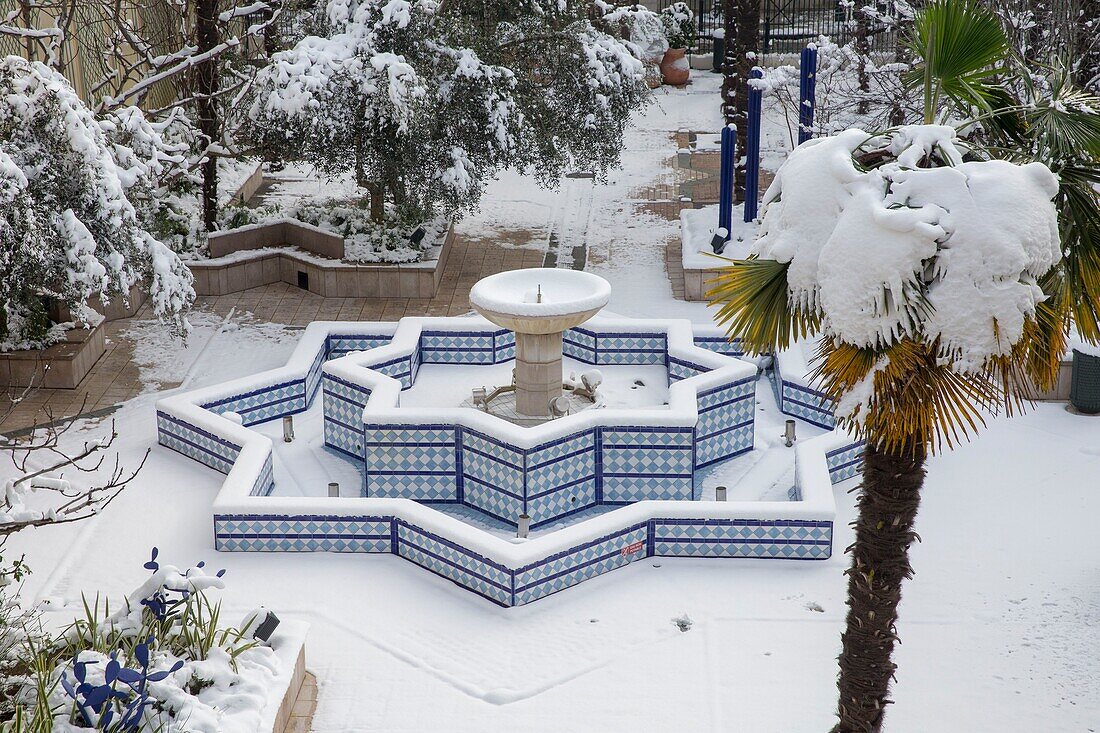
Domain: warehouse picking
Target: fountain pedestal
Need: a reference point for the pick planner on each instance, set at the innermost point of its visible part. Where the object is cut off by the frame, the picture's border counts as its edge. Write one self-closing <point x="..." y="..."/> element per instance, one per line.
<point x="539" y="304"/>
<point x="538" y="371"/>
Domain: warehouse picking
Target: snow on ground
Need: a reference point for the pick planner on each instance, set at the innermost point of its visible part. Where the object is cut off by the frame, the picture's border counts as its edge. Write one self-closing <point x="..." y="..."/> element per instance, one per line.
<point x="999" y="626"/>
<point x="449" y="385"/>
<point x="163" y="359"/>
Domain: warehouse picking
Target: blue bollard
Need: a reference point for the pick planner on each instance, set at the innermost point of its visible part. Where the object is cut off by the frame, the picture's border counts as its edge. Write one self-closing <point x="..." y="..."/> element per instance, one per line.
<point x="752" y="148"/>
<point x="807" y="91"/>
<point x="726" y="178"/>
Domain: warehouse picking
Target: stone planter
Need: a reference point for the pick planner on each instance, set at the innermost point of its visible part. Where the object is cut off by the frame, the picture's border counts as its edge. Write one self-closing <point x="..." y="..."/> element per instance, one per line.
<point x="61" y="366"/>
<point x="310" y="258"/>
<point x="115" y="309"/>
<point x="1084" y="393"/>
<point x="288" y="642"/>
<point x="675" y="67"/>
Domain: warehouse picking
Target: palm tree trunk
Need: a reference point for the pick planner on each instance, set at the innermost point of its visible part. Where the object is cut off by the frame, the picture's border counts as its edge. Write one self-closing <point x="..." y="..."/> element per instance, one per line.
<point x="887" y="507"/>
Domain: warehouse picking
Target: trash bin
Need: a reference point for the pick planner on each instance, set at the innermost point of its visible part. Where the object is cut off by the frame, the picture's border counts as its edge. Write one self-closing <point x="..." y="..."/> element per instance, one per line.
<point x="1084" y="390"/>
<point x="718" y="35"/>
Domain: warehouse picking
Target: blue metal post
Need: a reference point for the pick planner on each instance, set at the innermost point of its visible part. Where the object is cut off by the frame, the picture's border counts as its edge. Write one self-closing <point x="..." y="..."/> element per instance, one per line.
<point x="725" y="178"/>
<point x="752" y="148"/>
<point x="807" y="91"/>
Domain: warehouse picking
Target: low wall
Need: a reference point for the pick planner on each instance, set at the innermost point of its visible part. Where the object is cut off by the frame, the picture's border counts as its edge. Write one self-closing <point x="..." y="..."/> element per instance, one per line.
<point x="288" y="643"/>
<point x="69" y="362"/>
<point x="257" y="256"/>
<point x="794" y="393"/>
<point x="600" y="457"/>
<point x="290" y="232"/>
<point x="116" y="308"/>
<point x="246" y="518"/>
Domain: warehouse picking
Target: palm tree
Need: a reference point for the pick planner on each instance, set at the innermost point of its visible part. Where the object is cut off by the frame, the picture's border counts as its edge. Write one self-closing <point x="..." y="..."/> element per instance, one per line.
<point x="886" y="306"/>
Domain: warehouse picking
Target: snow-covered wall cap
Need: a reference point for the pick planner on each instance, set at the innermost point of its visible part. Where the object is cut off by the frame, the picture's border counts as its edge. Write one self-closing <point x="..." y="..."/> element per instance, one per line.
<point x="384" y="403"/>
<point x="516" y="292"/>
<point x="811" y="468"/>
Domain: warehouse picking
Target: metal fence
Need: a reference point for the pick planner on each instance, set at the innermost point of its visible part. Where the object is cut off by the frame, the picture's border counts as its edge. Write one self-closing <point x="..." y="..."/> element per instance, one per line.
<point x="786" y="26"/>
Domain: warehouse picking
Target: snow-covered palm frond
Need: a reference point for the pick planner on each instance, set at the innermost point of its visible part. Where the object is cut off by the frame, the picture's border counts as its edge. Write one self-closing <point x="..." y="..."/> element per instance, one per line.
<point x="923" y="274"/>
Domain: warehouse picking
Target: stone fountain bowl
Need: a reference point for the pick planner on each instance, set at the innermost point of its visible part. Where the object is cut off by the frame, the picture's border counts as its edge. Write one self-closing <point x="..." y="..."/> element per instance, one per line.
<point x="569" y="298"/>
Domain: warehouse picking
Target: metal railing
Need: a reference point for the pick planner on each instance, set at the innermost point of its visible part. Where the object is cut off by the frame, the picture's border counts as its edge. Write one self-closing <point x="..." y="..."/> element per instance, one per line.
<point x="786" y="26"/>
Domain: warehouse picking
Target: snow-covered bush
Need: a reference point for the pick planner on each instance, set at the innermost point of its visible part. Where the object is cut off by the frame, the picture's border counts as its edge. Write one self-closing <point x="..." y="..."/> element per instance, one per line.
<point x="71" y="231"/>
<point x="639" y="25"/>
<point x="365" y="240"/>
<point x="840" y="103"/>
<point x="163" y="661"/>
<point x="680" y="25"/>
<point x="899" y="238"/>
<point x="421" y="122"/>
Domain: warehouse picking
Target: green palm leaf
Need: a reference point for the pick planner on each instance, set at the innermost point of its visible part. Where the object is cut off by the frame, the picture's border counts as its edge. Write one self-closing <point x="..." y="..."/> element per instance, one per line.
<point x="753" y="301"/>
<point x="962" y="46"/>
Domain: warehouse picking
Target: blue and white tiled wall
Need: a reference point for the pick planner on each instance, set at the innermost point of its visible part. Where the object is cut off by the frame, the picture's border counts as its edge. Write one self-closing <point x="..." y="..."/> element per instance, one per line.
<point x="493" y="476"/>
<point x="548" y="481"/>
<point x="647" y="463"/>
<point x="790" y="539"/>
<point x="726" y="421"/>
<point x="660" y="537"/>
<point x="194" y="442"/>
<point x="265" y="403"/>
<point x="845" y="462"/>
<point x="802" y="402"/>
<point x="342" y="406"/>
<point x="563" y="477"/>
<point x="410" y="461"/>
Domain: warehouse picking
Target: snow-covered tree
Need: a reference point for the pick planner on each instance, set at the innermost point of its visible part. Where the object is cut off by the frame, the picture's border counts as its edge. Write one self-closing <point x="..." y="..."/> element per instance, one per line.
<point x="942" y="278"/>
<point x="198" y="56"/>
<point x="424" y="101"/>
<point x="71" y="231"/>
<point x="920" y="267"/>
<point x="421" y="123"/>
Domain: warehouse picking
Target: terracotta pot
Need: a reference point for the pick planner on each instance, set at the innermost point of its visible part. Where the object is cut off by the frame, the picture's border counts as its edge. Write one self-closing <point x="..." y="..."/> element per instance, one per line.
<point x="675" y="67"/>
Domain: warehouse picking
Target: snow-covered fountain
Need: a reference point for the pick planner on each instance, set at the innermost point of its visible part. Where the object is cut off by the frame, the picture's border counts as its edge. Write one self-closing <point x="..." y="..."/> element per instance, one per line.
<point x="538" y="306"/>
<point x="430" y="475"/>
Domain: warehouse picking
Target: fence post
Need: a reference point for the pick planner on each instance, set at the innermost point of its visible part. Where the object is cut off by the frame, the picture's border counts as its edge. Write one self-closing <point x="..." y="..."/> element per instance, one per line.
<point x="752" y="147"/>
<point x="726" y="174"/>
<point x="807" y="93"/>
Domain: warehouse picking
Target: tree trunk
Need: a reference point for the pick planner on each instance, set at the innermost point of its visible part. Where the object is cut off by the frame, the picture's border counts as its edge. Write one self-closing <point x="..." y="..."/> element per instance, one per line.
<point x="206" y="87"/>
<point x="742" y="27"/>
<point x="377" y="202"/>
<point x="863" y="58"/>
<point x="887" y="508"/>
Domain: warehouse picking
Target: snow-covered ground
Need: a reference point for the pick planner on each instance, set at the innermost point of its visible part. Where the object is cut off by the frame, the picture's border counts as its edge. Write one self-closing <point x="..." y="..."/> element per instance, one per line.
<point x="999" y="627"/>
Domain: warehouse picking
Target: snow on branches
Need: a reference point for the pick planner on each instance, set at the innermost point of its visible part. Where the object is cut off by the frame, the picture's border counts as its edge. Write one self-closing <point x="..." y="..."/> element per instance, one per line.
<point x="78" y="234"/>
<point x="425" y="104"/>
<point x="421" y="122"/>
